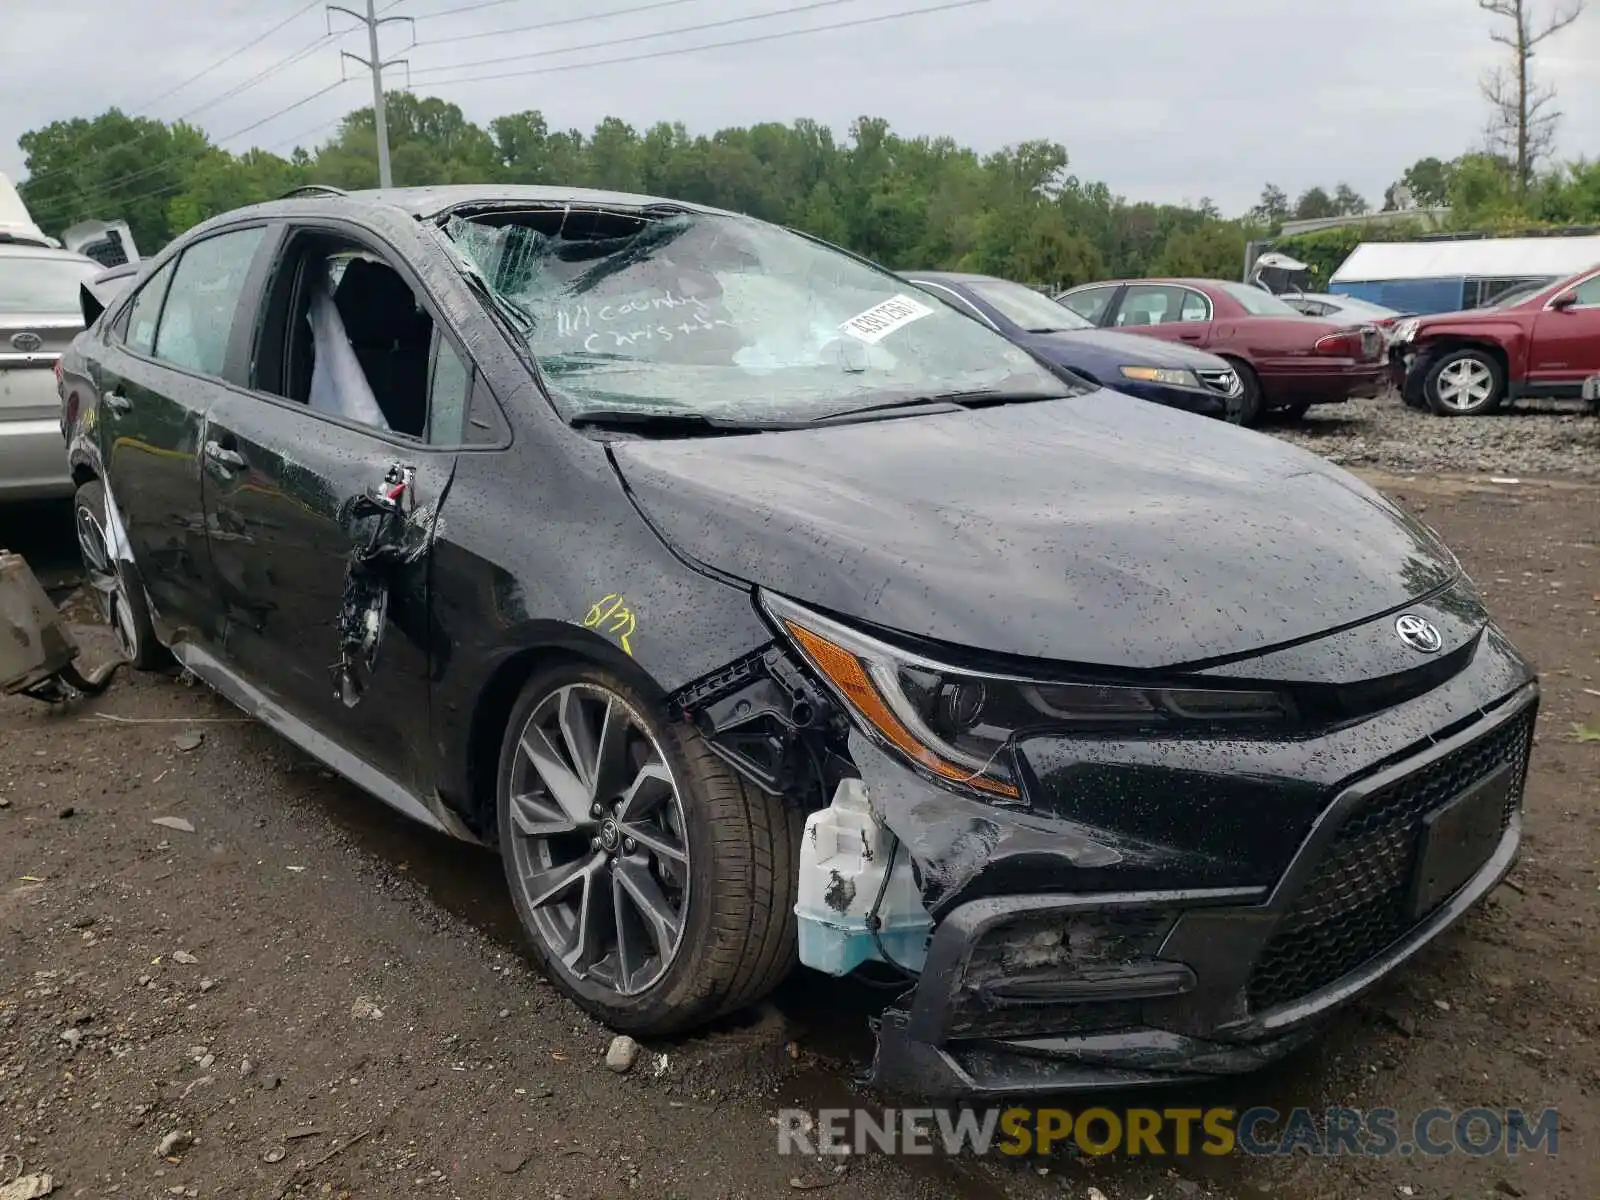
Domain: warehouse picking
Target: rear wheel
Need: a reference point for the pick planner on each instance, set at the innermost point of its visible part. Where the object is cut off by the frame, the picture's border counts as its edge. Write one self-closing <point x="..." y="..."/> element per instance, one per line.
<point x="656" y="885"/>
<point x="1465" y="383"/>
<point x="115" y="583"/>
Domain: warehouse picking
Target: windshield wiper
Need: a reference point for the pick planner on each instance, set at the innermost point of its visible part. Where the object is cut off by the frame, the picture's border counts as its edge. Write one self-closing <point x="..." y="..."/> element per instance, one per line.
<point x="982" y="397"/>
<point x="920" y="404"/>
<point x="674" y="423"/>
<point x="940" y="402"/>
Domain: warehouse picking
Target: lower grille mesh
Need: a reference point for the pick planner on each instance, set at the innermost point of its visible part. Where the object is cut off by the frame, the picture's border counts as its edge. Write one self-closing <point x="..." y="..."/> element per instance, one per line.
<point x="1354" y="906"/>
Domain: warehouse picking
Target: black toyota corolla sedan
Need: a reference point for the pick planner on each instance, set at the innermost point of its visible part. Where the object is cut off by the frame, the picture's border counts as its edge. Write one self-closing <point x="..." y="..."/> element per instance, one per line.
<point x="761" y="612"/>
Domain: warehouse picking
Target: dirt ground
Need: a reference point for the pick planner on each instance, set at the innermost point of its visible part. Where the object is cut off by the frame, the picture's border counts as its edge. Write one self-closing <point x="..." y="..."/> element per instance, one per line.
<point x="321" y="999"/>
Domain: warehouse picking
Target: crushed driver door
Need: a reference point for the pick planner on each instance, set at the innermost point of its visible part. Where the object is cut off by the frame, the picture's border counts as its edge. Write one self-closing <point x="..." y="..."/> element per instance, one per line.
<point x="320" y="539"/>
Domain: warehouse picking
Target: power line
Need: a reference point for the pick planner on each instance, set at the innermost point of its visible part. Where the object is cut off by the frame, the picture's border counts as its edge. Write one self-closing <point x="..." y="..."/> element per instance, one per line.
<point x="300" y="137"/>
<point x="748" y="41"/>
<point x="142" y="108"/>
<point x="158" y="167"/>
<point x="587" y="19"/>
<point x="637" y="37"/>
<point x="227" y="58"/>
<point x="338" y="83"/>
<point x="245" y="85"/>
<point x="174" y="188"/>
<point x="184" y="159"/>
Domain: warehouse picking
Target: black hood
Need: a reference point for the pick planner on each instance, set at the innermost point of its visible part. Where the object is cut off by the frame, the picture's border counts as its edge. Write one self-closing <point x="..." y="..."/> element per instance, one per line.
<point x="1125" y="535"/>
<point x="1130" y="349"/>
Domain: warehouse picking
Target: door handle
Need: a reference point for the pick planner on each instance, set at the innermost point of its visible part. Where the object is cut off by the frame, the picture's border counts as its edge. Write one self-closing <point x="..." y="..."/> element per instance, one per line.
<point x="117" y="402"/>
<point x="1191" y="337"/>
<point x="223" y="457"/>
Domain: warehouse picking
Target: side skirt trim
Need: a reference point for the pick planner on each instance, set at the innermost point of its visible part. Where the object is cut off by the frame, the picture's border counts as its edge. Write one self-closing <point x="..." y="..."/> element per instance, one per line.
<point x="321" y="747"/>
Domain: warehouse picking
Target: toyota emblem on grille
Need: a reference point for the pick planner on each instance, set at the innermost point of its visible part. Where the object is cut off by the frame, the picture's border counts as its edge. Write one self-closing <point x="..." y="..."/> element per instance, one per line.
<point x="1418" y="634"/>
<point x="26" y="342"/>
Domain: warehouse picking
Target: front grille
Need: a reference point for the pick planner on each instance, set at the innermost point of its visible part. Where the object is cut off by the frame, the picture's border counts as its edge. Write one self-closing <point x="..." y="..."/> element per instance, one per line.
<point x="1354" y="906"/>
<point x="1225" y="382"/>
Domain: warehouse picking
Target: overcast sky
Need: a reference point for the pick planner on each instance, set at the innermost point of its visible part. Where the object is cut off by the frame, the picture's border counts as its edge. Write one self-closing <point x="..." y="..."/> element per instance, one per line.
<point x="1163" y="99"/>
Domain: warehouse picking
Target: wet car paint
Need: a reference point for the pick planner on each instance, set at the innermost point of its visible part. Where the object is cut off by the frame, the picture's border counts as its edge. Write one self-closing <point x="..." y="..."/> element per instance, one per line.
<point x="1093" y="550"/>
<point x="1126" y="539"/>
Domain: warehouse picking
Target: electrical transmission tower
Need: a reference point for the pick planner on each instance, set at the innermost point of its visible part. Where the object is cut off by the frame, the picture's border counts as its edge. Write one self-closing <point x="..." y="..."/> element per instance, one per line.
<point x="375" y="64"/>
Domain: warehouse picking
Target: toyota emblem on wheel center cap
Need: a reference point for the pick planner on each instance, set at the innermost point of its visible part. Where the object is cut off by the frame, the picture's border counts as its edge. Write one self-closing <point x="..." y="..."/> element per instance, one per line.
<point x="1419" y="634"/>
<point x="26" y="342"/>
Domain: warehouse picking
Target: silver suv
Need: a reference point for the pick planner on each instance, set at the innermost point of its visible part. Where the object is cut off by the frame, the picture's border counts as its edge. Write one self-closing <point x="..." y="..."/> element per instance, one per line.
<point x="39" y="316"/>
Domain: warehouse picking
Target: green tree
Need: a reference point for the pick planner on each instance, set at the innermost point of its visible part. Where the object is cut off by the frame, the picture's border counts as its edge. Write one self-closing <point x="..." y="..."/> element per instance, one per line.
<point x="1315" y="203"/>
<point x="112" y="165"/>
<point x="1273" y="207"/>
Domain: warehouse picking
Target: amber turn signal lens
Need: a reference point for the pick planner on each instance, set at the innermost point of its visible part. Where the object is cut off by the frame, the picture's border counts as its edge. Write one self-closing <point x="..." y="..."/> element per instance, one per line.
<point x="845" y="672"/>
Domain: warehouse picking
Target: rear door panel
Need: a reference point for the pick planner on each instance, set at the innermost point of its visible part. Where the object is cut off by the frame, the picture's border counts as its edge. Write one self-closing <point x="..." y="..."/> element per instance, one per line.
<point x="156" y="388"/>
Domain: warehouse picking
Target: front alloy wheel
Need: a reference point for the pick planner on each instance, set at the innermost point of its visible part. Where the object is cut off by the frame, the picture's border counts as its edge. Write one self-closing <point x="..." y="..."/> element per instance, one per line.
<point x="1465" y="383"/>
<point x="598" y="842"/>
<point x="656" y="885"/>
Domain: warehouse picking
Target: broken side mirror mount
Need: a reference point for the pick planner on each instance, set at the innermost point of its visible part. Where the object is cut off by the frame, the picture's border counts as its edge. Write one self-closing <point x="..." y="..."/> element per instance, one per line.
<point x="38" y="656"/>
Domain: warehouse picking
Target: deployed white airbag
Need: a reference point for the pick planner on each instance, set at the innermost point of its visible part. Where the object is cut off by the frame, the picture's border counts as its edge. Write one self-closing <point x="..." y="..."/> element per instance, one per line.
<point x="339" y="386"/>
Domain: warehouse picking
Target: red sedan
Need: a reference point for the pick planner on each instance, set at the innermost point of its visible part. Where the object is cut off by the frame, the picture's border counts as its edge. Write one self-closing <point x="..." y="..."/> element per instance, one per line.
<point x="1288" y="361"/>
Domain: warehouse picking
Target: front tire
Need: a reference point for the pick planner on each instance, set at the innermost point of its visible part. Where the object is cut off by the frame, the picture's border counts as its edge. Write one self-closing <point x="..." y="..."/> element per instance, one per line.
<point x="655" y="884"/>
<point x="118" y="592"/>
<point x="1245" y="409"/>
<point x="1465" y="383"/>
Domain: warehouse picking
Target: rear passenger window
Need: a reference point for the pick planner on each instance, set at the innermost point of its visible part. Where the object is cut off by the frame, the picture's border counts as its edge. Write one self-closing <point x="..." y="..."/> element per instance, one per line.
<point x="1195" y="307"/>
<point x="197" y="318"/>
<point x="145" y="311"/>
<point x="1090" y="304"/>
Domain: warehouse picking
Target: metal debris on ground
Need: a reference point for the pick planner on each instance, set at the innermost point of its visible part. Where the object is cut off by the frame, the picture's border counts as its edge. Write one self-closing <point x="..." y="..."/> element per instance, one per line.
<point x="38" y="657"/>
<point x="177" y="823"/>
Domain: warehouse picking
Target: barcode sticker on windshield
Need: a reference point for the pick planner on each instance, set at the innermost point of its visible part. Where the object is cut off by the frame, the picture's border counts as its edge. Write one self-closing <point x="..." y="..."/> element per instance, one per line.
<point x="879" y="321"/>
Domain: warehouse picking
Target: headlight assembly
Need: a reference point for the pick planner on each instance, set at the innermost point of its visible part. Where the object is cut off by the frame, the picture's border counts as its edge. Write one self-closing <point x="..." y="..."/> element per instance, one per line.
<point x="1169" y="376"/>
<point x="957" y="724"/>
<point x="1404" y="331"/>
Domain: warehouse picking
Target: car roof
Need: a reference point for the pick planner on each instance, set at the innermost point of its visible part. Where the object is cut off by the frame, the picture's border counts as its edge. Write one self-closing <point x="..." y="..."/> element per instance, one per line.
<point x="428" y="202"/>
<point x="952" y="276"/>
<point x="33" y="250"/>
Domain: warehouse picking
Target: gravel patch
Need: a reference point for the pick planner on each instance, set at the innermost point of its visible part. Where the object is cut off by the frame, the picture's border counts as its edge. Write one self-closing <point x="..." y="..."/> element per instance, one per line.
<point x="1535" y="438"/>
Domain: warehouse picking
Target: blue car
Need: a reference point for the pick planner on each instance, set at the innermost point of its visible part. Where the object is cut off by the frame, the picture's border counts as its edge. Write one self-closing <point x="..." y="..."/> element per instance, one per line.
<point x="1177" y="376"/>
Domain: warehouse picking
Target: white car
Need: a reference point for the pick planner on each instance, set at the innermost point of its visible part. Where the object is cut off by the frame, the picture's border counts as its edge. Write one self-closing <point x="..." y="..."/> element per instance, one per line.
<point x="1342" y="308"/>
<point x="40" y="314"/>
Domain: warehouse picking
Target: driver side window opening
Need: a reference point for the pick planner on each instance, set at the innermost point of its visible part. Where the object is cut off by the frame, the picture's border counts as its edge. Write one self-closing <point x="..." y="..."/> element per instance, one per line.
<point x="345" y="335"/>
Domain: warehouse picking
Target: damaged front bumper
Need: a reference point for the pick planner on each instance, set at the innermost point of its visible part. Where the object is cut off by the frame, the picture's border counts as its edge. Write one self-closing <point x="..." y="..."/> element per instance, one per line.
<point x="1055" y="992"/>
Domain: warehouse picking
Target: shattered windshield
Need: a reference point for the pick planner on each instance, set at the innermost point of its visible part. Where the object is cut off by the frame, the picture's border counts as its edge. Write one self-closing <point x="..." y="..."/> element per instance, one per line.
<point x="724" y="317"/>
